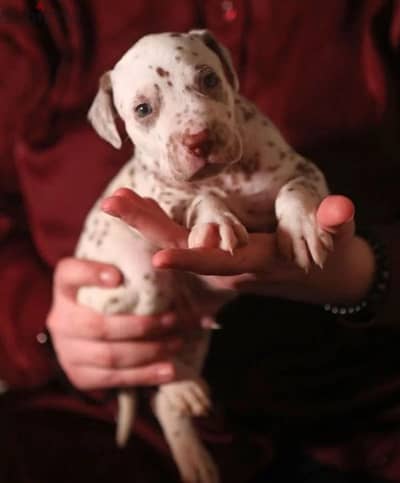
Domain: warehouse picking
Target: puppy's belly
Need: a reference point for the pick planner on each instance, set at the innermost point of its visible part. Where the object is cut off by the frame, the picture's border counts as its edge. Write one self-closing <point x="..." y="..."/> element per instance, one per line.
<point x="144" y="290"/>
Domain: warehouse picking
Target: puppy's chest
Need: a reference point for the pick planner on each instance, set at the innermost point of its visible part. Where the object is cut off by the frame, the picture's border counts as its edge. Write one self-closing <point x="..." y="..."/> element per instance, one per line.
<point x="245" y="191"/>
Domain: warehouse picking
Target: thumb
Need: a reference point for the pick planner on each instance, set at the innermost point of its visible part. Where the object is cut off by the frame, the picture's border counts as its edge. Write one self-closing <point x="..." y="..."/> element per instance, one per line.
<point x="72" y="273"/>
<point x="335" y="214"/>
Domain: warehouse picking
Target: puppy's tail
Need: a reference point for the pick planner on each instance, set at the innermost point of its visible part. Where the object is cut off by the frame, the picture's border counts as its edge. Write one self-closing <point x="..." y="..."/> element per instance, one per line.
<point x="126" y="415"/>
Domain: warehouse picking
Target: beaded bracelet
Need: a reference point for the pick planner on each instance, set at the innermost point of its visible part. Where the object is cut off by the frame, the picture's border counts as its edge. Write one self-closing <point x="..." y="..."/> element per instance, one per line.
<point x="363" y="312"/>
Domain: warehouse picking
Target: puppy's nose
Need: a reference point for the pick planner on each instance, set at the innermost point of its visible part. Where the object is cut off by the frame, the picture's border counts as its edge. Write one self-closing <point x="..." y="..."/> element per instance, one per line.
<point x="200" y="144"/>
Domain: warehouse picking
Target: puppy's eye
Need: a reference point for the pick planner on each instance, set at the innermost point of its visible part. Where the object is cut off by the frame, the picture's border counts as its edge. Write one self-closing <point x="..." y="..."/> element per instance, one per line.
<point x="143" y="110"/>
<point x="209" y="80"/>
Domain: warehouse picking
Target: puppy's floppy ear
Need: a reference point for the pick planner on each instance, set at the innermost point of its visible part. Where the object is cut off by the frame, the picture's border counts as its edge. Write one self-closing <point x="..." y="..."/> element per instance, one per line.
<point x="102" y="112"/>
<point x="223" y="53"/>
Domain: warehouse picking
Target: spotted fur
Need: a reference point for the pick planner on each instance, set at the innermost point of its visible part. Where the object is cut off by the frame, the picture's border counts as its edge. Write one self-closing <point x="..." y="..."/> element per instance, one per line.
<point x="209" y="158"/>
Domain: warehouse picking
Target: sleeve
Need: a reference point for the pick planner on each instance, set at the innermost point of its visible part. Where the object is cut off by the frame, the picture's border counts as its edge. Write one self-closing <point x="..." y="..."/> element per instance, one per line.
<point x="25" y="290"/>
<point x="387" y="24"/>
<point x="389" y="315"/>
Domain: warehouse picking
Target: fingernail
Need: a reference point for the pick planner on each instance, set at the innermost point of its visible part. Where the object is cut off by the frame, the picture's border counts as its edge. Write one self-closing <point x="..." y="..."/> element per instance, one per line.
<point x="109" y="277"/>
<point x="165" y="373"/>
<point x="105" y="207"/>
<point x="168" y="320"/>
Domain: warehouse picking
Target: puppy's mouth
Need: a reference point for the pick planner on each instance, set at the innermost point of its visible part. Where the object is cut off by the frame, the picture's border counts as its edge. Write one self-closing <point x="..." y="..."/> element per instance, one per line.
<point x="201" y="160"/>
<point x="207" y="171"/>
<point x="216" y="162"/>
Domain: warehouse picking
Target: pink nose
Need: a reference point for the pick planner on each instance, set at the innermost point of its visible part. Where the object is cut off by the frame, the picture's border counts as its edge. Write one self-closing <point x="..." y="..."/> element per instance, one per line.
<point x="200" y="144"/>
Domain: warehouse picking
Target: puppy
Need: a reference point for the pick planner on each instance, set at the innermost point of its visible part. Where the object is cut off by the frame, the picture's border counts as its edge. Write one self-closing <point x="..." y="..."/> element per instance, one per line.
<point x="214" y="163"/>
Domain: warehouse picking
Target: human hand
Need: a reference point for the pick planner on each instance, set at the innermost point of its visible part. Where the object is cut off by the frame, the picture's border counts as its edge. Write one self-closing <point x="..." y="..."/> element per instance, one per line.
<point x="97" y="351"/>
<point x="258" y="267"/>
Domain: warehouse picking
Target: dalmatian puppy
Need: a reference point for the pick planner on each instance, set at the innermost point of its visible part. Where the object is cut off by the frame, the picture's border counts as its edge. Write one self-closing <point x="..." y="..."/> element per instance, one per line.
<point x="212" y="161"/>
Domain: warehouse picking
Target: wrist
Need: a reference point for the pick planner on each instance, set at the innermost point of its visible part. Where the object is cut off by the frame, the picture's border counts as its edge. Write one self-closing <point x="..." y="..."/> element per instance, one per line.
<point x="364" y="311"/>
<point x="347" y="275"/>
<point x="359" y="266"/>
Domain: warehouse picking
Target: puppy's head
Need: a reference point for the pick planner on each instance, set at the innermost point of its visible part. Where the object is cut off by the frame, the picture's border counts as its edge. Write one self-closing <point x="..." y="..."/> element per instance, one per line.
<point x="175" y="94"/>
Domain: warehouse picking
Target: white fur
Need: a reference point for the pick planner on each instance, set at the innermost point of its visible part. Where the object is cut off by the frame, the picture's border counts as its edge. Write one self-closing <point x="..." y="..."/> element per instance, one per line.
<point x="261" y="184"/>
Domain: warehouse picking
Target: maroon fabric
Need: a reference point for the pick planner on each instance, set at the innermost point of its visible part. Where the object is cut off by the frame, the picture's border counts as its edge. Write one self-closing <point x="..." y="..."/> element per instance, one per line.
<point x="327" y="73"/>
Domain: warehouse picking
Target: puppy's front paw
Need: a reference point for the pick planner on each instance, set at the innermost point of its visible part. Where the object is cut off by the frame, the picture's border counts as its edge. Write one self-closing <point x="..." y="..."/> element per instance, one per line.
<point x="225" y="232"/>
<point x="302" y="240"/>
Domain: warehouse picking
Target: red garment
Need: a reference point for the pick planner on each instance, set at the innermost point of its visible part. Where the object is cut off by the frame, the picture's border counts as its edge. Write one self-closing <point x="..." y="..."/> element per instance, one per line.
<point x="327" y="73"/>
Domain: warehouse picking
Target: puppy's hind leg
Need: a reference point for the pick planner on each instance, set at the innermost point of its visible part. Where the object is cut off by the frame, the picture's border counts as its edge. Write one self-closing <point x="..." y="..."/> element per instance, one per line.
<point x="176" y="403"/>
<point x="193" y="460"/>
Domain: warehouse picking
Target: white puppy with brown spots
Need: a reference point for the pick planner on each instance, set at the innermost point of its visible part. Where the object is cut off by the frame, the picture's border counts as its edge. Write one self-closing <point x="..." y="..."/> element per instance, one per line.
<point x="210" y="159"/>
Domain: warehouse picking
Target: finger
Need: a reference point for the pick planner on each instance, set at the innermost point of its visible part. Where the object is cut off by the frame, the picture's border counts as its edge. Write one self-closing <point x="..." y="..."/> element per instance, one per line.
<point x="72" y="273"/>
<point x="91" y="378"/>
<point x="257" y="255"/>
<point x="121" y="355"/>
<point x="147" y="217"/>
<point x="335" y="214"/>
<point x="82" y="322"/>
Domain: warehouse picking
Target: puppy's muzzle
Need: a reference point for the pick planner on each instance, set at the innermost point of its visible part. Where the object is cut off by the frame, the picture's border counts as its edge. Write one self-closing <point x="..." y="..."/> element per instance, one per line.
<point x="200" y="144"/>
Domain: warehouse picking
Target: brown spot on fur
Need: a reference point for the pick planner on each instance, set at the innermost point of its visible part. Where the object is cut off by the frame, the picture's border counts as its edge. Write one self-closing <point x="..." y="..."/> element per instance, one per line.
<point x="175" y="34"/>
<point x="272" y="168"/>
<point x="307" y="185"/>
<point x="195" y="54"/>
<point x="114" y="300"/>
<point x="305" y="168"/>
<point x="179" y="47"/>
<point x="170" y="83"/>
<point x="162" y="72"/>
<point x="248" y="114"/>
<point x="247" y="166"/>
<point x="177" y="58"/>
<point x="270" y="143"/>
<point x="177" y="211"/>
<point x="149" y="277"/>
